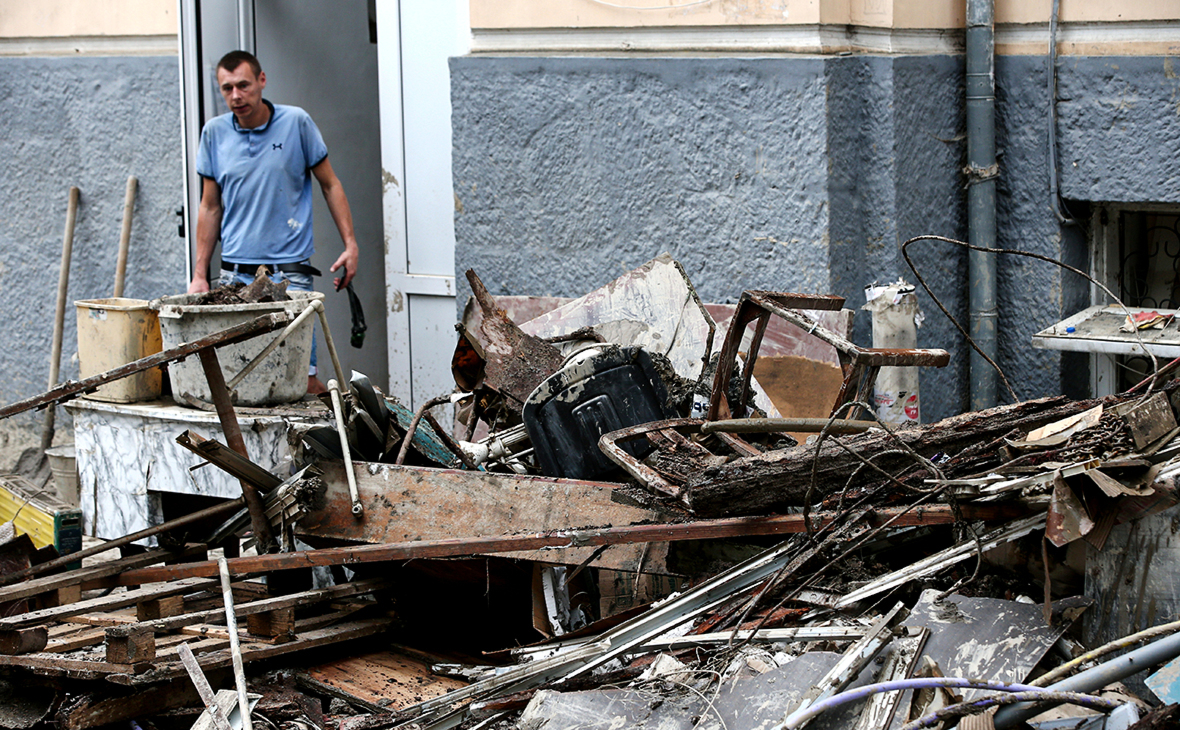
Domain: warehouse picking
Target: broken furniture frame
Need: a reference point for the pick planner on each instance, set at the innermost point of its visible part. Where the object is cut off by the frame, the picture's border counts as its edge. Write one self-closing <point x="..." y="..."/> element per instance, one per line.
<point x="668" y="430"/>
<point x="859" y="364"/>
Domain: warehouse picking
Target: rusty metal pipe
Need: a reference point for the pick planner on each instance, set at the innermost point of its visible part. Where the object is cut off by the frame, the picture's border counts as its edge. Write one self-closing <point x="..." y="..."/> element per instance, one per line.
<point x="405" y="448"/>
<point x="772" y="425"/>
<point x="338" y="406"/>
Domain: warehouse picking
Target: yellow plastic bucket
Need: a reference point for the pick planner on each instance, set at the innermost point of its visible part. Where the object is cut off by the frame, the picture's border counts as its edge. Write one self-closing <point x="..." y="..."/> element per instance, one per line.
<point x="114" y="332"/>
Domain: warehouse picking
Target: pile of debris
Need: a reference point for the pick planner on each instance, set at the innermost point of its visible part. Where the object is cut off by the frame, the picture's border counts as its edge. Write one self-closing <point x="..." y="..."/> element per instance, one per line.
<point x="624" y="531"/>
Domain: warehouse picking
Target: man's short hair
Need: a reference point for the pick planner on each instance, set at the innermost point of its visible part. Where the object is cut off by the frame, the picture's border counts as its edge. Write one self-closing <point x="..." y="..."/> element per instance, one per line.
<point x="233" y="59"/>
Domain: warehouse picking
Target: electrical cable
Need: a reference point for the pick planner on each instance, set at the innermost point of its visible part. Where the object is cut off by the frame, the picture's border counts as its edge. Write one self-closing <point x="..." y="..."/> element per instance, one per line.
<point x="975" y="707"/>
<point x="1014" y="252"/>
<point x="1123" y="643"/>
<point x="799" y="718"/>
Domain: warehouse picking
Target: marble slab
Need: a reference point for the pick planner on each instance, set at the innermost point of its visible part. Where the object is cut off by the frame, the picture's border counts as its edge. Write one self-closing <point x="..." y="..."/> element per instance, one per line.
<point x="128" y="455"/>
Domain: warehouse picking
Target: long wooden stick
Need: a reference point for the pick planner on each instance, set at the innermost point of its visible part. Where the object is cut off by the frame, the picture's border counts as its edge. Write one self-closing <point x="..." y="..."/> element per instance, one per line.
<point x="231" y="623"/>
<point x="202" y="684"/>
<point x="125" y="236"/>
<point x="215" y="511"/>
<point x="72" y="389"/>
<point x="63" y="284"/>
<point x="233" y="438"/>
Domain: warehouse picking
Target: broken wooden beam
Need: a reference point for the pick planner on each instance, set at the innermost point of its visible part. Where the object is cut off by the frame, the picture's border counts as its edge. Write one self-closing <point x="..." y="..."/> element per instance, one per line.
<point x="780" y="479"/>
<point x="72" y="389"/>
<point x="228" y="460"/>
<point x="80" y="577"/>
<point x="460" y="547"/>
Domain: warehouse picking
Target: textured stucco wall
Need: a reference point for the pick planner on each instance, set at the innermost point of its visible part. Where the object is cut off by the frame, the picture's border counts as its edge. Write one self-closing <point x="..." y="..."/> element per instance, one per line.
<point x="88" y="122"/>
<point x="1119" y="128"/>
<point x="801" y="174"/>
<point x="571" y="171"/>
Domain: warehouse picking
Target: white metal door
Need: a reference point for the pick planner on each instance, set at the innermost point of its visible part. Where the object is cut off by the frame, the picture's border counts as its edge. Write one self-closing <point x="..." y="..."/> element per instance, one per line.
<point x="415" y="39"/>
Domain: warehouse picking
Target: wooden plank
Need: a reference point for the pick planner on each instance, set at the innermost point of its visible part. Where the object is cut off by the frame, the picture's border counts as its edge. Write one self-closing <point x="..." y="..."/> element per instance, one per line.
<point x="48" y="583"/>
<point x="384" y="675"/>
<point x="77" y="640"/>
<point x="256" y="651"/>
<point x="115" y="600"/>
<point x="57" y="665"/>
<point x="459" y="547"/>
<point x="72" y="389"/>
<point x="404" y="504"/>
<point x="277" y="603"/>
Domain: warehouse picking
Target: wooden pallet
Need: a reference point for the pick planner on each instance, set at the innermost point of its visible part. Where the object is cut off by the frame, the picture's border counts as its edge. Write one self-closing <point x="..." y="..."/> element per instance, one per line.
<point x="131" y="637"/>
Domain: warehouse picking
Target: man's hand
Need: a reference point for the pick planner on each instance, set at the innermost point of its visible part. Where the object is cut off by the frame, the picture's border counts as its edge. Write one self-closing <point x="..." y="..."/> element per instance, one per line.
<point x="199" y="285"/>
<point x="347" y="261"/>
<point x="342" y="215"/>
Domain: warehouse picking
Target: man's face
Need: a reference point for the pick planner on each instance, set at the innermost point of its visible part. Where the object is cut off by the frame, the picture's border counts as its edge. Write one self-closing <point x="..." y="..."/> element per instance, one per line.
<point x="242" y="91"/>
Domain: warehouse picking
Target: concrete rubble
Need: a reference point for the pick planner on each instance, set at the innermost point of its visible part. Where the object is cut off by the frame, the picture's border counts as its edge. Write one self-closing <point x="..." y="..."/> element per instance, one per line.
<point x="648" y="512"/>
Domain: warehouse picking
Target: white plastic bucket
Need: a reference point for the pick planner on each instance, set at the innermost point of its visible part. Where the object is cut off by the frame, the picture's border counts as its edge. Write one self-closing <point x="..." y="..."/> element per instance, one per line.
<point x="280" y="378"/>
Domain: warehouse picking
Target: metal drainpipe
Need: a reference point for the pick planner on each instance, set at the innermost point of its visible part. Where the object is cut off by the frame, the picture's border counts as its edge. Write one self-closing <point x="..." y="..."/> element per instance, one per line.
<point x="981" y="197"/>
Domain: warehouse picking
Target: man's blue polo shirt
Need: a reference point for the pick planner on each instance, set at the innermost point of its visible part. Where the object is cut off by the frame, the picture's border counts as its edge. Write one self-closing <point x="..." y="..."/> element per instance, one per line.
<point x="265" y="180"/>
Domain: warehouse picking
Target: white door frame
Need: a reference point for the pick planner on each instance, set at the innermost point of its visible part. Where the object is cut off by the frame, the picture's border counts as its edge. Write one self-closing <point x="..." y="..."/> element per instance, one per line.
<point x="404" y="280"/>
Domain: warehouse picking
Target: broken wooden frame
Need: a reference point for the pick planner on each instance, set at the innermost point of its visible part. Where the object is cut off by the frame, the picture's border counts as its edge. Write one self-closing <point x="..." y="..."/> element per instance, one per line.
<point x="223" y="404"/>
<point x="859" y="364"/>
<point x="667" y="430"/>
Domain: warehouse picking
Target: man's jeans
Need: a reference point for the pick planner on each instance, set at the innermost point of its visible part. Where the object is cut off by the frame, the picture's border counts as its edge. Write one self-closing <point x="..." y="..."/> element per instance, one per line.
<point x="296" y="282"/>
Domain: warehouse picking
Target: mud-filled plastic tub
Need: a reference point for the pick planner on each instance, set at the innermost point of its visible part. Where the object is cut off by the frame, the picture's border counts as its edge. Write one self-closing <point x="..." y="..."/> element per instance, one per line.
<point x="280" y="378"/>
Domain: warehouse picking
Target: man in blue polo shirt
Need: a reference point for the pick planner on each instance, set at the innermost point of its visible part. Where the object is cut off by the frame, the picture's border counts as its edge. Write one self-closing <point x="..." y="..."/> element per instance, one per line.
<point x="256" y="165"/>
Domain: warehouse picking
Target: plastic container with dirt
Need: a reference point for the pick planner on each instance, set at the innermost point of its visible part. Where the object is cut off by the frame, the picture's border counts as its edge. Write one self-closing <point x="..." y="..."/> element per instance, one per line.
<point x="278" y="379"/>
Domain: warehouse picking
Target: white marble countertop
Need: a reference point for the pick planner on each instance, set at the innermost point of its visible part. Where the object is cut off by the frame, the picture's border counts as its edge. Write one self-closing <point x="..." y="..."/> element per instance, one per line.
<point x="128" y="458"/>
<point x="166" y="409"/>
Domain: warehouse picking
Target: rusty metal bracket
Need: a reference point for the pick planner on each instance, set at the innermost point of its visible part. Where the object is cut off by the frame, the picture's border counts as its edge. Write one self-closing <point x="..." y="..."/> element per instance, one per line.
<point x="859" y="364"/>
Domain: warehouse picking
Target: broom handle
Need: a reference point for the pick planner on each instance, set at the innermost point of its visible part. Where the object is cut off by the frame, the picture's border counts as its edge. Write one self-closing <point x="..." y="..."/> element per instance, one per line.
<point x="63" y="282"/>
<point x="125" y="236"/>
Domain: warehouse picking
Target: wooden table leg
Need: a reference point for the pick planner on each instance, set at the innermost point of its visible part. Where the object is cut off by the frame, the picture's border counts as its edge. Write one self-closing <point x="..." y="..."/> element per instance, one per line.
<point x="233" y="437"/>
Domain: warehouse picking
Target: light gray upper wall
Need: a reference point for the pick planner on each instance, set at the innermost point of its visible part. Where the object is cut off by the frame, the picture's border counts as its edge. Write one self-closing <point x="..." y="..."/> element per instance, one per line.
<point x="89" y="122"/>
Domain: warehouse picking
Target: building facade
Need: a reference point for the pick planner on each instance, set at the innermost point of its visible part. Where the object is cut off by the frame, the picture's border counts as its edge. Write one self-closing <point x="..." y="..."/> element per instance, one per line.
<point x="794" y="145"/>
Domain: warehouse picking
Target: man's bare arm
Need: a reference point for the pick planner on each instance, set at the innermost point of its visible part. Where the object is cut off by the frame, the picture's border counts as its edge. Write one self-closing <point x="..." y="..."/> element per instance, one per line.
<point x="208" y="231"/>
<point x="342" y="215"/>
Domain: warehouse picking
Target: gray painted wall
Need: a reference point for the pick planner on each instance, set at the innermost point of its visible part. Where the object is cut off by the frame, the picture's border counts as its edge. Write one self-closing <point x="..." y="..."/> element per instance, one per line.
<point x="801" y="174"/>
<point x="89" y="122"/>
